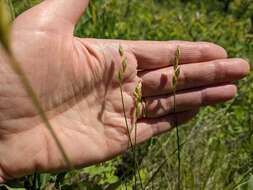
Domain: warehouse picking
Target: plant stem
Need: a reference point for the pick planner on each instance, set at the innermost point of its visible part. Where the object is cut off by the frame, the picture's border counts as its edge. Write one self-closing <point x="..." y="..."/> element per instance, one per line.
<point x="136" y="161"/>
<point x="128" y="130"/>
<point x="125" y="117"/>
<point x="133" y="148"/>
<point x="135" y="158"/>
<point x="178" y="143"/>
<point x="31" y="93"/>
<point x="174" y="87"/>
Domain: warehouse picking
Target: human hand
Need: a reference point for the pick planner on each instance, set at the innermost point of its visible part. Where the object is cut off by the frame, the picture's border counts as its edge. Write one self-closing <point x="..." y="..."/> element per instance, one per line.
<point x="76" y="81"/>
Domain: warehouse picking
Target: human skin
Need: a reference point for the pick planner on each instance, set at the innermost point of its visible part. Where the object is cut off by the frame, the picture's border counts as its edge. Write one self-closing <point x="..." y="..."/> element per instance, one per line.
<point x="76" y="82"/>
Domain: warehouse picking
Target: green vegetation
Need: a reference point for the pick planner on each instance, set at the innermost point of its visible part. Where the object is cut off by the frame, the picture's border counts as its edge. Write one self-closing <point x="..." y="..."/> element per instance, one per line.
<point x="217" y="147"/>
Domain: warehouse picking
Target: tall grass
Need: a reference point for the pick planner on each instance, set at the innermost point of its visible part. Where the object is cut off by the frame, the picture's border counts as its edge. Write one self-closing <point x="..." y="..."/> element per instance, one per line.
<point x="138" y="98"/>
<point x="175" y="78"/>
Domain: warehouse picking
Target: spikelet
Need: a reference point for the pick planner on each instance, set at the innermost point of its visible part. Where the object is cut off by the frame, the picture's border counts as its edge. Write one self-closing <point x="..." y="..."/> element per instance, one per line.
<point x="176" y="68"/>
<point x="124" y="63"/>
<point x="138" y="99"/>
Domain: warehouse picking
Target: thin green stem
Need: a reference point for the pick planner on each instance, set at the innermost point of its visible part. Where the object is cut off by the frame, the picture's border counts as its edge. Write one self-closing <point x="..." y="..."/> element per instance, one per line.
<point x="135" y="157"/>
<point x="128" y="130"/>
<point x="178" y="143"/>
<point x="125" y="117"/>
<point x="133" y="148"/>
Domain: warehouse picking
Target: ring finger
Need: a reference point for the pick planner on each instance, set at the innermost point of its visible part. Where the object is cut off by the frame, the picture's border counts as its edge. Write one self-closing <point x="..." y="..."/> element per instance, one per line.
<point x="160" y="106"/>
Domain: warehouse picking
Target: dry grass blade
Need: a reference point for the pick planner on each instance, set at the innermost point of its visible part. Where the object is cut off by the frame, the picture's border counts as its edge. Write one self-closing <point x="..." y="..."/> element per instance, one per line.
<point x="5" y="41"/>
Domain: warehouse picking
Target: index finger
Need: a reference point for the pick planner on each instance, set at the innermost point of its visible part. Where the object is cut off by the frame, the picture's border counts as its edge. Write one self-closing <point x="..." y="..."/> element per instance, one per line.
<point x="154" y="55"/>
<point x="157" y="54"/>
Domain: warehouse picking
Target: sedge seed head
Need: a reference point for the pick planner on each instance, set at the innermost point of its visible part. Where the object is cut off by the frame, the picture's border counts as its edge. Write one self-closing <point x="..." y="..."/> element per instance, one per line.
<point x="121" y="51"/>
<point x="138" y="110"/>
<point x="178" y="54"/>
<point x="124" y="64"/>
<point x="177" y="72"/>
<point x="177" y="58"/>
<point x="138" y="92"/>
<point x="138" y="99"/>
<point x="120" y="77"/>
<point x="176" y="69"/>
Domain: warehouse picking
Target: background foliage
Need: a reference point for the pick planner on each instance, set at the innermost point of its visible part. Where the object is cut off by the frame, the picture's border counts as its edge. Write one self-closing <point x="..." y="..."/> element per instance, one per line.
<point x="217" y="147"/>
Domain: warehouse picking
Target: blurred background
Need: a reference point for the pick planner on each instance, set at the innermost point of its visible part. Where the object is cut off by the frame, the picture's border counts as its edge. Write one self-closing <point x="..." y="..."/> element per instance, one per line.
<point x="217" y="146"/>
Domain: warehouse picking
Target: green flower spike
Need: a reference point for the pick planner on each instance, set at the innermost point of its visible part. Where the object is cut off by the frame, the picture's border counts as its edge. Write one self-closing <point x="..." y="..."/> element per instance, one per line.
<point x="138" y="99"/>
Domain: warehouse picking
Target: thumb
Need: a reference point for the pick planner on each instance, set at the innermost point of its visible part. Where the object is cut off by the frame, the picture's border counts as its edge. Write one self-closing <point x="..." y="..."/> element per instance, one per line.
<point x="70" y="10"/>
<point x="55" y="14"/>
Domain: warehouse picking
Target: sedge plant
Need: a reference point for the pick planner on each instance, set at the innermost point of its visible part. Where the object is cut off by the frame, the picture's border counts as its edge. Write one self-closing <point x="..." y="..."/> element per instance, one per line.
<point x="121" y="73"/>
<point x="176" y="74"/>
<point x="175" y="77"/>
<point x="138" y="99"/>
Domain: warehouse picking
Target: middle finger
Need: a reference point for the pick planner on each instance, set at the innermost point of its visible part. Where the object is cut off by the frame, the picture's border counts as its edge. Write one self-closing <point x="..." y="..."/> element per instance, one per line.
<point x="158" y="82"/>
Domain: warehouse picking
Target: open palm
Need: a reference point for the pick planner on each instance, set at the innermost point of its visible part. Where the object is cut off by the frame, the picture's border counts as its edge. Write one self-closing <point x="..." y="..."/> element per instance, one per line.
<point x="77" y="83"/>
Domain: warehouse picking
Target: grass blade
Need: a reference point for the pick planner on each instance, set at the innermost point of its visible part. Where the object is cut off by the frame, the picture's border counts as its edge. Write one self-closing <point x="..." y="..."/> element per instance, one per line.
<point x="5" y="41"/>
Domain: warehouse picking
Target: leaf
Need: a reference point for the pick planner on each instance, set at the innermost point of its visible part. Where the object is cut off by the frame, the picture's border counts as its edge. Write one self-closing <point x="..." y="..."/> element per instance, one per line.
<point x="250" y="182"/>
